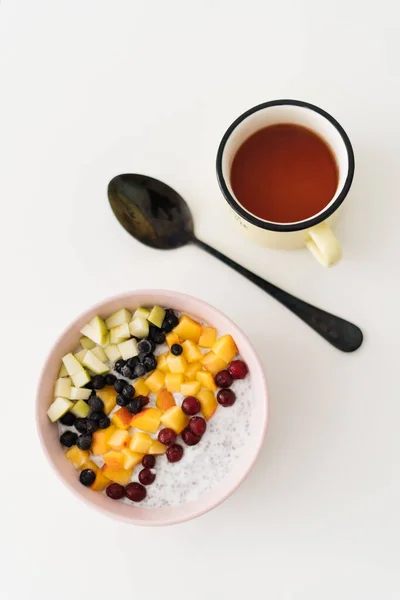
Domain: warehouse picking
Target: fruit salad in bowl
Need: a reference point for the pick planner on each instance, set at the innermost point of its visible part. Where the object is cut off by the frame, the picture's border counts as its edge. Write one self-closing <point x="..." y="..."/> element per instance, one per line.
<point x="152" y="406"/>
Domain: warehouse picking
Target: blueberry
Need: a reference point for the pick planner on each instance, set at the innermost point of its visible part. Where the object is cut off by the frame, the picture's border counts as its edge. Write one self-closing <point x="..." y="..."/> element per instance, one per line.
<point x="132" y="362"/>
<point x="127" y="372"/>
<point x="135" y="406"/>
<point x="89" y="385"/>
<point x="104" y="423"/>
<point x="110" y="379"/>
<point x="119" y="364"/>
<point x="152" y="332"/>
<point x="144" y="346"/>
<point x="84" y="441"/>
<point x="159" y="337"/>
<point x="96" y="415"/>
<point x="119" y="385"/>
<point x="166" y="327"/>
<point x="68" y="419"/>
<point x="140" y="370"/>
<point x="128" y="391"/>
<point x="176" y="349"/>
<point x="91" y="426"/>
<point x="150" y="362"/>
<point x="122" y="400"/>
<point x="81" y="425"/>
<point x="98" y="382"/>
<point x="171" y="317"/>
<point x="87" y="477"/>
<point x="96" y="403"/>
<point x="142" y="356"/>
<point x="68" y="439"/>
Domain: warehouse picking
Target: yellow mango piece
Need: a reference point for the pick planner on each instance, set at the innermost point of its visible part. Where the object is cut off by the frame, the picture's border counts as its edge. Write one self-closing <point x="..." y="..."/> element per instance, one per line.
<point x="141" y="388"/>
<point x="207" y="337"/>
<point x="122" y="476"/>
<point x="147" y="420"/>
<point x="162" y="364"/>
<point x="119" y="439"/>
<point x="140" y="442"/>
<point x="208" y="403"/>
<point x="191" y="370"/>
<point x="225" y="348"/>
<point x="173" y="382"/>
<point x="191" y="351"/>
<point x="109" y="397"/>
<point x="122" y="418"/>
<point x="175" y="418"/>
<point x="100" y="439"/>
<point x="131" y="459"/>
<point x="89" y="464"/>
<point x="77" y="457"/>
<point x="188" y="329"/>
<point x="190" y="388"/>
<point x="114" y="460"/>
<point x="155" y="381"/>
<point x="165" y="399"/>
<point x="176" y="364"/>
<point x="213" y="363"/>
<point x="101" y="482"/>
<point x="207" y="380"/>
<point x="157" y="448"/>
<point x="172" y="338"/>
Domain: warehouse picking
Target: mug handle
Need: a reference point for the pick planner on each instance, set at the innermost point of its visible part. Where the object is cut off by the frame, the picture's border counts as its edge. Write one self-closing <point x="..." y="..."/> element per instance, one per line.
<point x="323" y="245"/>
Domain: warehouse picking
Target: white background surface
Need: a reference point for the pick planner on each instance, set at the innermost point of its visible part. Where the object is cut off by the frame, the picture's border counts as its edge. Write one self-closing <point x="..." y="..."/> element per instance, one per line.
<point x="90" y="89"/>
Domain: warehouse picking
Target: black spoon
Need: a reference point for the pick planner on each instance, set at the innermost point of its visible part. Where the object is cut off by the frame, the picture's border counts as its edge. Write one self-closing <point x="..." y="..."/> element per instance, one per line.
<point x="159" y="217"/>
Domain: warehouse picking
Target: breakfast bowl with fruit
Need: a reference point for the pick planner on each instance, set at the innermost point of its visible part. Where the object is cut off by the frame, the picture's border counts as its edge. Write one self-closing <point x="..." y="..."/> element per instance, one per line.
<point x="152" y="407"/>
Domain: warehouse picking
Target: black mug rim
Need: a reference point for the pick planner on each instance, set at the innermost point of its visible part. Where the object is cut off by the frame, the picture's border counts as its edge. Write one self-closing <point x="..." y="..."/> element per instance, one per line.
<point x="285" y="227"/>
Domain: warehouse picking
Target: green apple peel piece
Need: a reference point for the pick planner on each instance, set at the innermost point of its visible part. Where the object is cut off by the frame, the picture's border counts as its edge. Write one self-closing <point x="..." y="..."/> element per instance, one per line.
<point x="99" y="352"/>
<point x="59" y="407"/>
<point x="63" y="371"/>
<point x="81" y="378"/>
<point x="86" y="343"/>
<point x="80" y="409"/>
<point x="139" y="327"/>
<point x="118" y="318"/>
<point x="63" y="387"/>
<point x="94" y="364"/>
<point x="71" y="364"/>
<point x="141" y="313"/>
<point x="156" y="316"/>
<point x="80" y="355"/>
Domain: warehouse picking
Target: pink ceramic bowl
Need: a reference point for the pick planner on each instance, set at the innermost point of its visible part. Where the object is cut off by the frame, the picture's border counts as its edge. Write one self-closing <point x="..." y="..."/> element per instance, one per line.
<point x="137" y="515"/>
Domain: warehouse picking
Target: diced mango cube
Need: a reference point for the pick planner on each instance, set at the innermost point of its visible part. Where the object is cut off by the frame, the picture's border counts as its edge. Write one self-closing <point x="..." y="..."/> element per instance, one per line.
<point x="114" y="460"/>
<point x="213" y="363"/>
<point x="175" y="418"/>
<point x="121" y="476"/>
<point x="140" y="442"/>
<point x="191" y="351"/>
<point x="172" y="338"/>
<point x="207" y="337"/>
<point x="165" y="399"/>
<point x="157" y="448"/>
<point x="101" y="482"/>
<point x="191" y="370"/>
<point x="77" y="456"/>
<point x="119" y="439"/>
<point x="176" y="364"/>
<point x="173" y="382"/>
<point x="207" y="380"/>
<point x="141" y="388"/>
<point x="147" y="420"/>
<point x="208" y="403"/>
<point x="162" y="364"/>
<point x="155" y="381"/>
<point x="109" y="397"/>
<point x="89" y="464"/>
<point x="188" y="329"/>
<point x="131" y="459"/>
<point x="100" y="439"/>
<point x="122" y="418"/>
<point x="225" y="348"/>
<point x="190" y="388"/>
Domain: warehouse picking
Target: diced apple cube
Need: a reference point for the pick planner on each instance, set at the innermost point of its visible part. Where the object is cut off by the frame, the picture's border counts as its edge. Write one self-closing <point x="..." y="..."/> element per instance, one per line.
<point x="157" y="448"/>
<point x="156" y="316"/>
<point x="86" y="343"/>
<point x="71" y="364"/>
<point x="63" y="371"/>
<point x="191" y="352"/>
<point x="141" y="388"/>
<point x="139" y="327"/>
<point x="128" y="349"/>
<point x="122" y="418"/>
<point x="213" y="363"/>
<point x="109" y="397"/>
<point x="100" y="354"/>
<point x="100" y="439"/>
<point x="140" y="442"/>
<point x="58" y="408"/>
<point x="112" y="352"/>
<point x="96" y="331"/>
<point x="188" y="329"/>
<point x="173" y="382"/>
<point x="147" y="420"/>
<point x="80" y="409"/>
<point x="155" y="381"/>
<point x="131" y="459"/>
<point x="119" y="334"/>
<point x="122" y="476"/>
<point x="141" y="313"/>
<point x="118" y="318"/>
<point x="77" y="457"/>
<point x="208" y="403"/>
<point x="225" y="348"/>
<point x="191" y="370"/>
<point x="190" y="388"/>
<point x="63" y="387"/>
<point x="119" y="439"/>
<point x="81" y="378"/>
<point x="206" y="380"/>
<point x="172" y="338"/>
<point x="176" y="364"/>
<point x="94" y="364"/>
<point x="207" y="337"/>
<point x="80" y="355"/>
<point x="162" y="363"/>
<point x="165" y="399"/>
<point x="175" y="418"/>
<point x="80" y="393"/>
<point x="114" y="460"/>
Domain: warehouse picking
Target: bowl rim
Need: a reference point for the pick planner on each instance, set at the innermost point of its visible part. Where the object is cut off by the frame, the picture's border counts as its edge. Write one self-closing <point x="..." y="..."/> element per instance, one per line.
<point x="98" y="307"/>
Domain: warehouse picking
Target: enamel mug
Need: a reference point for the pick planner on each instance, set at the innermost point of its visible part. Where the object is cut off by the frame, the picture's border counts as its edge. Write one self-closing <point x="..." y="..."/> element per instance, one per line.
<point x="314" y="232"/>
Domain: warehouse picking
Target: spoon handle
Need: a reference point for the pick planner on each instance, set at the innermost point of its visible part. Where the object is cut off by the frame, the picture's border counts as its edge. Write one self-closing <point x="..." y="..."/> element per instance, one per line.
<point x="340" y="333"/>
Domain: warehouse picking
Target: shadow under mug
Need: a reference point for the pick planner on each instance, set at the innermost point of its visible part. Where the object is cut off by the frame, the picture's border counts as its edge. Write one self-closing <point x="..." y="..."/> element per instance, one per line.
<point x="315" y="232"/>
